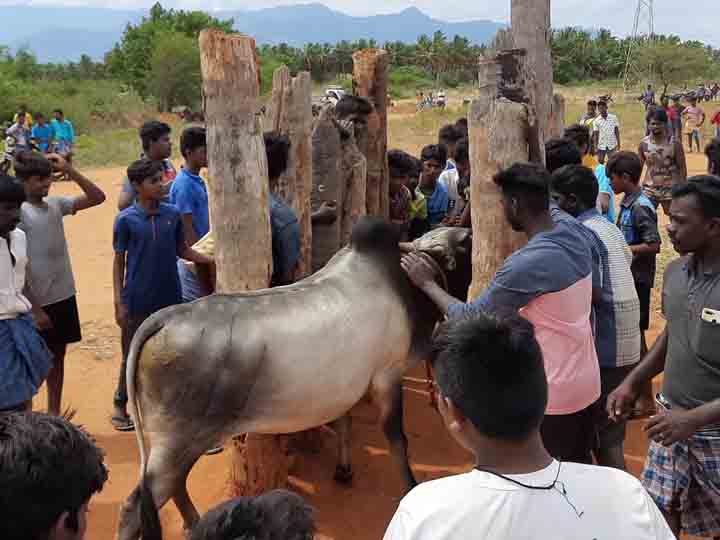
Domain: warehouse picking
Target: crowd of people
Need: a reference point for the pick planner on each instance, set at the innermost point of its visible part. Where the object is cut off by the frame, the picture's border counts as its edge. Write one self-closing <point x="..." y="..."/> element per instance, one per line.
<point x="37" y="133"/>
<point x="537" y="377"/>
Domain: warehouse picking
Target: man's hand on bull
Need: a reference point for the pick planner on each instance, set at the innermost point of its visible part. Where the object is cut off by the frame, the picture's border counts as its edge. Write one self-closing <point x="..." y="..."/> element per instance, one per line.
<point x="420" y="272"/>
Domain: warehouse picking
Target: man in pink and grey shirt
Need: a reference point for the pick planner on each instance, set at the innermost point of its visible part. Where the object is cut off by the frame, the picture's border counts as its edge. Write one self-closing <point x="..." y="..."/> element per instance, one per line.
<point x="550" y="282"/>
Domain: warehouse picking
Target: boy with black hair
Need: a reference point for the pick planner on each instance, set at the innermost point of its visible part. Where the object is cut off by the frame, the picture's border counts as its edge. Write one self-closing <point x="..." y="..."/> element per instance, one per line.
<point x="590" y="114"/>
<point x="24" y="357"/>
<point x="681" y="470"/>
<point x="189" y="192"/>
<point x="639" y="224"/>
<point x="617" y="309"/>
<point x="42" y="134"/>
<point x="550" y="282"/>
<point x="399" y="167"/>
<point x="606" y="133"/>
<point x="561" y="151"/>
<point x="434" y="159"/>
<point x="483" y="364"/>
<point x="148" y="237"/>
<point x="50" y="275"/>
<point x="64" y="134"/>
<point x="449" y="136"/>
<point x="157" y="146"/>
<point x="418" y="214"/>
<point x="20" y="132"/>
<point x="49" y="471"/>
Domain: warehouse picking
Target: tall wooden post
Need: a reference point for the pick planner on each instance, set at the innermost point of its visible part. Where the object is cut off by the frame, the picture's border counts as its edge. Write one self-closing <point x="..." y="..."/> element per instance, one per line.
<point x="557" y="118"/>
<point x="239" y="212"/>
<point x="291" y="114"/>
<point x="370" y="80"/>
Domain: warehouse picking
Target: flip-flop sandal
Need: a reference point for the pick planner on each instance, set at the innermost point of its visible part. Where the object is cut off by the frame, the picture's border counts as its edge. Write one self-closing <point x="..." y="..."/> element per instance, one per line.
<point x="122" y="423"/>
<point x="215" y="450"/>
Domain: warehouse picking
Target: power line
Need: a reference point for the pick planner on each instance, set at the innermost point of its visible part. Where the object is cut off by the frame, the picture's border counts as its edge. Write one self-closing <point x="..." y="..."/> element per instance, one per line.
<point x="643" y="30"/>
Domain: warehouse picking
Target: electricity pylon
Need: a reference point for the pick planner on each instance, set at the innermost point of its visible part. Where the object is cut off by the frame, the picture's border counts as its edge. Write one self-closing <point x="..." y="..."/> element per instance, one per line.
<point x="643" y="31"/>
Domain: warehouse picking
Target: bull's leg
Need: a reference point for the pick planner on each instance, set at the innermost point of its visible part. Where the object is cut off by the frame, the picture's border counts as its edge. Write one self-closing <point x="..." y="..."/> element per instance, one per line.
<point x="388" y="395"/>
<point x="343" y="471"/>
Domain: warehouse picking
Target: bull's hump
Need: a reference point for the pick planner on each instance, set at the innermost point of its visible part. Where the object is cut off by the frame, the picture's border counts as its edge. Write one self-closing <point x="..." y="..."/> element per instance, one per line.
<point x="374" y="235"/>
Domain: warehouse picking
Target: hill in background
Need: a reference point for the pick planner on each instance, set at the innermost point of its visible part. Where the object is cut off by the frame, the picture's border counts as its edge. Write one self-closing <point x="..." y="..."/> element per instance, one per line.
<point x="63" y="34"/>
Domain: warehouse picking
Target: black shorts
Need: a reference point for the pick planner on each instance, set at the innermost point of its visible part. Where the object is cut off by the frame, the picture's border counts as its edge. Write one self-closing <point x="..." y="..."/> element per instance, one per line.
<point x="571" y="437"/>
<point x="66" y="323"/>
<point x="610" y="433"/>
<point x="643" y="292"/>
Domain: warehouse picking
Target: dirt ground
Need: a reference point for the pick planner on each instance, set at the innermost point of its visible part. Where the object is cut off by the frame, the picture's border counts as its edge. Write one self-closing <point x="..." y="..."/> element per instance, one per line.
<point x="357" y="513"/>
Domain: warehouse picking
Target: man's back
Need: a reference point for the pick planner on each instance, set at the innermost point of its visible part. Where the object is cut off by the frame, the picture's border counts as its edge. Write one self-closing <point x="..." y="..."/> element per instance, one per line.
<point x="568" y="501"/>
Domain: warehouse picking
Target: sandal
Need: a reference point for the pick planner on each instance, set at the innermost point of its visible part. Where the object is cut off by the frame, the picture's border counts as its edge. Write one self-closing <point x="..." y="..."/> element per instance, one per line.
<point x="215" y="450"/>
<point x="122" y="423"/>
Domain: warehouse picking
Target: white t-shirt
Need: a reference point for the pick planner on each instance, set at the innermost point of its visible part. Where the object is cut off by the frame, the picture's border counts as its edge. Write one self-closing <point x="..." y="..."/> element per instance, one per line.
<point x="12" y="276"/>
<point x="450" y="178"/>
<point x="599" y="504"/>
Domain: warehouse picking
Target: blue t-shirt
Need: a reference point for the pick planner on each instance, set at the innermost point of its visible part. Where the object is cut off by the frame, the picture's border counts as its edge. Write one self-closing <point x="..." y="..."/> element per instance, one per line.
<point x="189" y="194"/>
<point x="152" y="243"/>
<point x="437" y="204"/>
<point x="43" y="136"/>
<point x="285" y="231"/>
<point x="606" y="187"/>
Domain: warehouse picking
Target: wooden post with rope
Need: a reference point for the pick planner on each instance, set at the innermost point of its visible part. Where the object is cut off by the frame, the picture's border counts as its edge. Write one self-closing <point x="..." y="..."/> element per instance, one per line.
<point x="239" y="214"/>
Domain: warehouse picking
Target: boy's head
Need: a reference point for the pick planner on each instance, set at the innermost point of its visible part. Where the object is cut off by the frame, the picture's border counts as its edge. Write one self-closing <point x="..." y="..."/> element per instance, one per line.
<point x="276" y="515"/>
<point x="155" y="137"/>
<point x="575" y="189"/>
<point x="712" y="151"/>
<point x="603" y="108"/>
<point x="560" y="152"/>
<point x="693" y="101"/>
<point x="592" y="107"/>
<point x="462" y="126"/>
<point x="449" y="135"/>
<point x="657" y="122"/>
<point x="12" y="195"/>
<point x="277" y="148"/>
<point x="665" y="102"/>
<point x="400" y="166"/>
<point x="525" y="189"/>
<point x="59" y="115"/>
<point x="21" y="117"/>
<point x="353" y="109"/>
<point x="624" y="170"/>
<point x="35" y="171"/>
<point x="40" y="118"/>
<point x="462" y="158"/>
<point x="695" y="215"/>
<point x="49" y="470"/>
<point x="434" y="160"/>
<point x="491" y="377"/>
<point x="415" y="172"/>
<point x="193" y="146"/>
<point x="580" y="135"/>
<point x="147" y="177"/>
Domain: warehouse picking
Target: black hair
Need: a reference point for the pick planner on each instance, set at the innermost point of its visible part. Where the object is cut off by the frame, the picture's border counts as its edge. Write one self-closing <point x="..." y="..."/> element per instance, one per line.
<point x="462" y="151"/>
<point x="48" y="466"/>
<point x="142" y="169"/>
<point x="529" y="182"/>
<point x="438" y="152"/>
<point x="29" y="164"/>
<point x="11" y="190"/>
<point x="462" y="122"/>
<point x="491" y="367"/>
<point x="277" y="148"/>
<point x="625" y="163"/>
<point x="579" y="134"/>
<point x="592" y="102"/>
<point x="561" y="151"/>
<point x="449" y="134"/>
<point x="706" y="188"/>
<point x="276" y="515"/>
<point x="579" y="181"/>
<point x="417" y="167"/>
<point x="151" y="132"/>
<point x="712" y="151"/>
<point x="59" y="111"/>
<point x="400" y="163"/>
<point x="602" y="102"/>
<point x="349" y="104"/>
<point x="658" y="114"/>
<point x="192" y="138"/>
<point x="39" y="115"/>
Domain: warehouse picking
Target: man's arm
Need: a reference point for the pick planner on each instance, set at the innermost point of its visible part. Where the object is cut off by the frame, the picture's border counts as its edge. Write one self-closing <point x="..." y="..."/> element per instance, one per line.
<point x="641" y="153"/>
<point x="617" y="136"/>
<point x="92" y="194"/>
<point x="645" y="220"/>
<point x="190" y="235"/>
<point x="423" y="277"/>
<point x="42" y="321"/>
<point x="121" y="312"/>
<point x="681" y="160"/>
<point x="189" y="254"/>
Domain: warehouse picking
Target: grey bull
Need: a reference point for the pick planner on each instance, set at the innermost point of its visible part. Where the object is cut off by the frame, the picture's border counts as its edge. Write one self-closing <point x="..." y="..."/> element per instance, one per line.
<point x="280" y="361"/>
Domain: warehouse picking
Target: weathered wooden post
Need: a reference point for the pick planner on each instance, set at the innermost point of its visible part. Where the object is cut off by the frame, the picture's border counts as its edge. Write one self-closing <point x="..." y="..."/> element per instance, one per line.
<point x="291" y="114"/>
<point x="370" y="80"/>
<point x="239" y="213"/>
<point x="557" y="118"/>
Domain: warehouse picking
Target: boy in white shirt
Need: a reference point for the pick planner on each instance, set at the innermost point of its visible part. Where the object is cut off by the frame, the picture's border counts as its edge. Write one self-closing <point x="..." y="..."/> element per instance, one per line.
<point x="492" y="397"/>
<point x="24" y="358"/>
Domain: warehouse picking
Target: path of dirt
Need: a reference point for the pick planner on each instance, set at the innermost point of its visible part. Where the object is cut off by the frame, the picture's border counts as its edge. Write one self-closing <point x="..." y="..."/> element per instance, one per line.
<point x="356" y="513"/>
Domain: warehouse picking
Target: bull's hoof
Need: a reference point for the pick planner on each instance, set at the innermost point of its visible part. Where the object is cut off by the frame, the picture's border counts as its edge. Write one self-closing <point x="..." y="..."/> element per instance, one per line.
<point x="344" y="475"/>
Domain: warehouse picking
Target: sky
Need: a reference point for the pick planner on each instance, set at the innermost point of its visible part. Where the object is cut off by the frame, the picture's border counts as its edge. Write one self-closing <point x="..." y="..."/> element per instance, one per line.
<point x="671" y="16"/>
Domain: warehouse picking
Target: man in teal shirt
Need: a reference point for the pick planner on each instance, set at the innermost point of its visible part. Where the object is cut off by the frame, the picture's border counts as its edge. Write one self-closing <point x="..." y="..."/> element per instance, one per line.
<point x="64" y="133"/>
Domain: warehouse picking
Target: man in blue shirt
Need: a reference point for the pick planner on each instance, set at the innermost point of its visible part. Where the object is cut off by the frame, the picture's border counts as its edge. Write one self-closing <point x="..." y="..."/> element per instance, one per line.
<point x="42" y="134"/>
<point x="189" y="192"/>
<point x="64" y="133"/>
<point x="434" y="160"/>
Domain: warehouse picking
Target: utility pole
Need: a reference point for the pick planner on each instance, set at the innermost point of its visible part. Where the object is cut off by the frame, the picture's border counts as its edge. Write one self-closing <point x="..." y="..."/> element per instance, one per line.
<point x="643" y="31"/>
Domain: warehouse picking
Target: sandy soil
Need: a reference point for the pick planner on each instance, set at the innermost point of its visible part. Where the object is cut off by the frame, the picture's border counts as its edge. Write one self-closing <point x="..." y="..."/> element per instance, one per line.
<point x="360" y="512"/>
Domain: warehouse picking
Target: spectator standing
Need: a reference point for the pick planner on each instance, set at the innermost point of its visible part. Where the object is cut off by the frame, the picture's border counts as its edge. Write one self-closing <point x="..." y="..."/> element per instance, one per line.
<point x="434" y="158"/>
<point x="715" y="121"/>
<point x="20" y="132"/>
<point x="49" y="471"/>
<point x="148" y="238"/>
<point x="399" y="167"/>
<point x="606" y="133"/>
<point x="50" y="275"/>
<point x="515" y="489"/>
<point x="64" y="133"/>
<point x="189" y="192"/>
<point x="449" y="136"/>
<point x="664" y="161"/>
<point x="675" y="116"/>
<point x="462" y="160"/>
<point x="24" y="358"/>
<point x="549" y="281"/>
<point x="42" y="134"/>
<point x="712" y="151"/>
<point x="22" y="109"/>
<point x="157" y="146"/>
<point x="694" y="118"/>
<point x="681" y="470"/>
<point x="617" y="311"/>
<point x="648" y="97"/>
<point x="590" y="114"/>
<point x="418" y="215"/>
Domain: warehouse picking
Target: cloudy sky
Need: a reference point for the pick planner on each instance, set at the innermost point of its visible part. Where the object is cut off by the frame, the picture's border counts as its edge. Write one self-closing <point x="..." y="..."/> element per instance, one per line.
<point x="672" y="16"/>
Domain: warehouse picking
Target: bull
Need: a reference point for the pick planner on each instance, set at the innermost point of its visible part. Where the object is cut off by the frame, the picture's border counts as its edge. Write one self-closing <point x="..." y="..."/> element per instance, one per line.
<point x="282" y="360"/>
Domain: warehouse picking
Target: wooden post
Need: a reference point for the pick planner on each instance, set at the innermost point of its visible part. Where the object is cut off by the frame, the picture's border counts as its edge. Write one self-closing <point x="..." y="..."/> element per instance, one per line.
<point x="354" y="170"/>
<point x="370" y="80"/>
<point x="239" y="215"/>
<point x="291" y="115"/>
